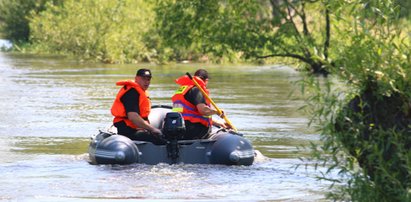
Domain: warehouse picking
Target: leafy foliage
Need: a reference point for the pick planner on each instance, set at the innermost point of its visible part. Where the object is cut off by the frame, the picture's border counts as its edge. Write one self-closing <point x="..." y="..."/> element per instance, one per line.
<point x="365" y="122"/>
<point x="14" y="17"/>
<point x="251" y="29"/>
<point x="110" y="31"/>
<point x="404" y="7"/>
<point x="194" y="28"/>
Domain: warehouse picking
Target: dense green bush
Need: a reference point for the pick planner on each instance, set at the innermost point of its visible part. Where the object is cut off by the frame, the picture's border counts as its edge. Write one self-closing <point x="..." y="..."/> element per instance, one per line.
<point x="193" y="29"/>
<point x="241" y="30"/>
<point x="404" y="8"/>
<point x="14" y="16"/>
<point x="110" y="31"/>
<point x="365" y="117"/>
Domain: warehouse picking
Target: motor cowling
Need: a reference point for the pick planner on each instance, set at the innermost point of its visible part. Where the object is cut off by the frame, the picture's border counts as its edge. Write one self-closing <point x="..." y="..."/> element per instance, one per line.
<point x="174" y="126"/>
<point x="173" y="130"/>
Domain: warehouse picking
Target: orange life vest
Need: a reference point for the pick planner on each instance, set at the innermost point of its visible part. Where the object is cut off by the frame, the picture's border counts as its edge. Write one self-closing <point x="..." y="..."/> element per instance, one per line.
<point x="187" y="109"/>
<point x="118" y="110"/>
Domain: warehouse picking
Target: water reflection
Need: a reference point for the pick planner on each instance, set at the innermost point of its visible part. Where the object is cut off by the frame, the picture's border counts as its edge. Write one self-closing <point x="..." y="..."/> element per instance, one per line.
<point x="45" y="145"/>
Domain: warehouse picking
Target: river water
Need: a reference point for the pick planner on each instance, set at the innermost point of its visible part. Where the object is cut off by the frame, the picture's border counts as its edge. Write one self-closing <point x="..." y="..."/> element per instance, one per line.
<point x="50" y="106"/>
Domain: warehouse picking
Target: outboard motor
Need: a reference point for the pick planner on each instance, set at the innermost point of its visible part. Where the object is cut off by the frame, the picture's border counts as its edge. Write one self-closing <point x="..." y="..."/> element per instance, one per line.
<point x="109" y="148"/>
<point x="173" y="130"/>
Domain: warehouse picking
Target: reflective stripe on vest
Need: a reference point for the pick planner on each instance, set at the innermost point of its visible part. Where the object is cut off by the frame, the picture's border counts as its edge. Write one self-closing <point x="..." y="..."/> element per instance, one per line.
<point x="187" y="109"/>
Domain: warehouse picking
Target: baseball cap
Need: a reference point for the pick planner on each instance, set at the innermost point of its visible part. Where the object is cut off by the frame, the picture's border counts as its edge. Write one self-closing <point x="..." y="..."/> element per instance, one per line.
<point x="202" y="73"/>
<point x="144" y="73"/>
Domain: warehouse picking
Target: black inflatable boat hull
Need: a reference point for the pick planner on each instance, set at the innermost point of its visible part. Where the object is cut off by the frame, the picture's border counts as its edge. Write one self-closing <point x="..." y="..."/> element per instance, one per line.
<point x="227" y="149"/>
<point x="223" y="148"/>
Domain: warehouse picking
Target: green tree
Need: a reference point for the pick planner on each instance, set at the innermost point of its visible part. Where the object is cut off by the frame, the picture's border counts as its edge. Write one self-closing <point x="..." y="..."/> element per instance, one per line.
<point x="253" y="29"/>
<point x="404" y="8"/>
<point x="364" y="114"/>
<point x="14" y="16"/>
<point x="109" y="31"/>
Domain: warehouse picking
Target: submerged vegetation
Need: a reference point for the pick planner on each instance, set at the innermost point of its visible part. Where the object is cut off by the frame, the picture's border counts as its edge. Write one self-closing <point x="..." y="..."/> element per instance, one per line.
<point x="362" y="110"/>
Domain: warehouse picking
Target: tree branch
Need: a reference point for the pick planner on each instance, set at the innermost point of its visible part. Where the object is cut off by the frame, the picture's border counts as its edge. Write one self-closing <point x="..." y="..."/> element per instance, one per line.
<point x="304" y="20"/>
<point x="298" y="36"/>
<point x="327" y="31"/>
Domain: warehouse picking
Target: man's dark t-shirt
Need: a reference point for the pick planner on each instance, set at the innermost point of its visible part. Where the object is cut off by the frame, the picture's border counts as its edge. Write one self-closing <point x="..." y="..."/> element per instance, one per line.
<point x="130" y="100"/>
<point x="195" y="130"/>
<point x="194" y="96"/>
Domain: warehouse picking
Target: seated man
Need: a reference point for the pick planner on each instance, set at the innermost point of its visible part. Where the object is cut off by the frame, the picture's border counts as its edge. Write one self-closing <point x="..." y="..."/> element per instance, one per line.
<point x="195" y="109"/>
<point x="132" y="107"/>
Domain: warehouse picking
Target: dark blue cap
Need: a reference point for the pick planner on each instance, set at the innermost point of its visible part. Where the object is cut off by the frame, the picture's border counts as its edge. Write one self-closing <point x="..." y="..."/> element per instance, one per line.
<point x="144" y="73"/>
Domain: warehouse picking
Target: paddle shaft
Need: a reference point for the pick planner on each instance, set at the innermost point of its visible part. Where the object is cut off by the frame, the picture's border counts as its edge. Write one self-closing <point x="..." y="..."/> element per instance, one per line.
<point x="212" y="102"/>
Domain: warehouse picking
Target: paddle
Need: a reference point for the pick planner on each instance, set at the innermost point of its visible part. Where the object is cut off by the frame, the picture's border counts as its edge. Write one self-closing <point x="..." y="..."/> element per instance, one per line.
<point x="212" y="102"/>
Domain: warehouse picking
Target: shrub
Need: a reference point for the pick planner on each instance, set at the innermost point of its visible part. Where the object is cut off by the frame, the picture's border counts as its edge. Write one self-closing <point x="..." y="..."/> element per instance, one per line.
<point x="109" y="31"/>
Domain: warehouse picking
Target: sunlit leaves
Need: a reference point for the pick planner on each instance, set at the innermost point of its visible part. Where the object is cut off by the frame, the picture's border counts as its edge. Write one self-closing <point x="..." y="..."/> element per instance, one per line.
<point x="369" y="121"/>
<point x="14" y="17"/>
<point x="110" y="31"/>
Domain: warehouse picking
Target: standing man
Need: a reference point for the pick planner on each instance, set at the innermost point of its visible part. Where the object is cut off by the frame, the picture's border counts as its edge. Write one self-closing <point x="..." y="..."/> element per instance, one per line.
<point x="196" y="110"/>
<point x="132" y="107"/>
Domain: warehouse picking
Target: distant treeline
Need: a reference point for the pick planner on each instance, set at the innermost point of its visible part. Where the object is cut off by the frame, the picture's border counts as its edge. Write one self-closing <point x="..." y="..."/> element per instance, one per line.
<point x="120" y="31"/>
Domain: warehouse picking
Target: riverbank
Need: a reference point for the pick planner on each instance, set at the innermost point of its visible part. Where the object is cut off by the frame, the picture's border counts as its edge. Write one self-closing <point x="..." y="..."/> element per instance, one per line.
<point x="35" y="49"/>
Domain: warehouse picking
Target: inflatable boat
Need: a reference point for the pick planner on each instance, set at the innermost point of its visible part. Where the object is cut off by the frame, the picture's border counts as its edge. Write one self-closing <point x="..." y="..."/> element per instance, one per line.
<point x="223" y="147"/>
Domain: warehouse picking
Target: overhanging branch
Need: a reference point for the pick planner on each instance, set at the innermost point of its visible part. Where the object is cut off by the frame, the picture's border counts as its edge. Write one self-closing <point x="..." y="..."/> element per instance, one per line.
<point x="327" y="31"/>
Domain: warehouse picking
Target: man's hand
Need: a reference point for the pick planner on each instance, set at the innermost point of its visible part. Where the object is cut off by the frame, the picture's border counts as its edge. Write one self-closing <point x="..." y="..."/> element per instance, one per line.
<point x="227" y="126"/>
<point x="222" y="125"/>
<point x="156" y="132"/>
<point x="222" y="115"/>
